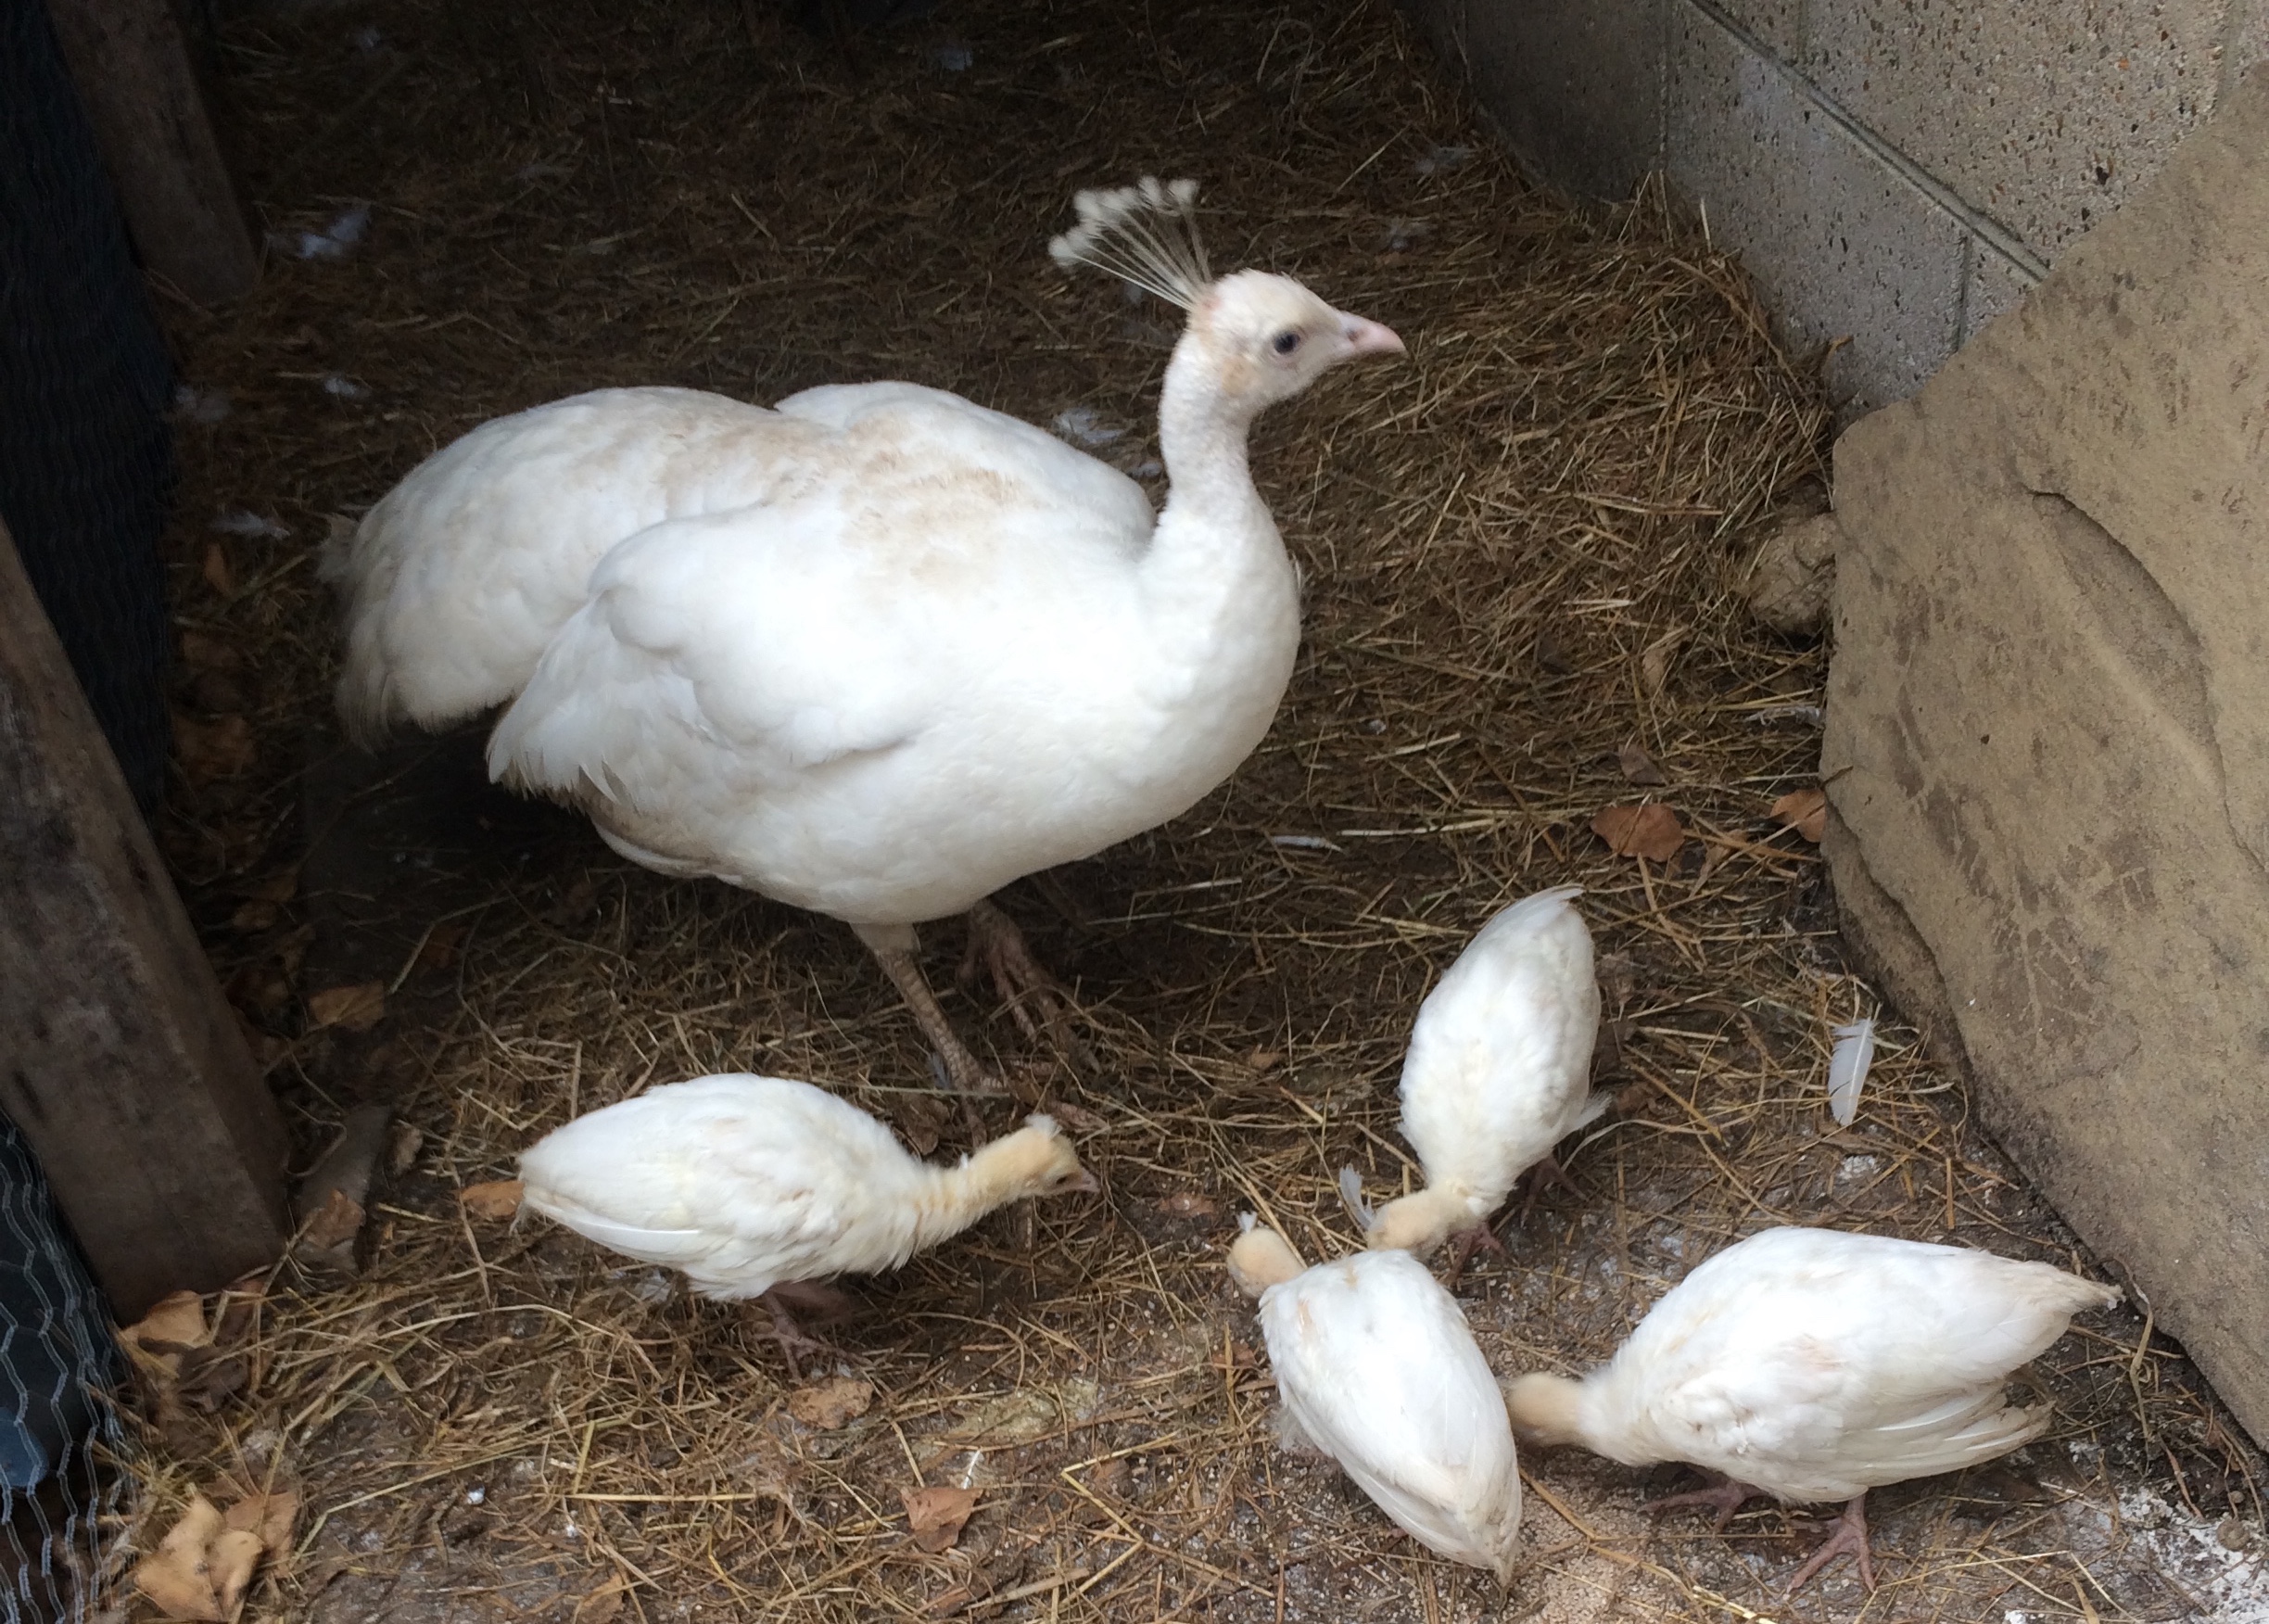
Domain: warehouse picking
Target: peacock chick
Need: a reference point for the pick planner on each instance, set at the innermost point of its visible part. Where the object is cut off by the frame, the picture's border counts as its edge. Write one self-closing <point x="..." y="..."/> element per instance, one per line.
<point x="1497" y="1071"/>
<point x="762" y="1187"/>
<point x="876" y="651"/>
<point x="1808" y="1364"/>
<point x="1377" y="1367"/>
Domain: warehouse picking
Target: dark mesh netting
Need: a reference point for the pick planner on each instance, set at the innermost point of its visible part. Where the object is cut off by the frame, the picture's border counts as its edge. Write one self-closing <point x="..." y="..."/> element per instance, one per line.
<point x="58" y="1499"/>
<point x="85" y="453"/>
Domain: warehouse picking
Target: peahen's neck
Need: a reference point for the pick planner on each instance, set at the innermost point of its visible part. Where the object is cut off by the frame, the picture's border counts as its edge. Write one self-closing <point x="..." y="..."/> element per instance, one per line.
<point x="1216" y="569"/>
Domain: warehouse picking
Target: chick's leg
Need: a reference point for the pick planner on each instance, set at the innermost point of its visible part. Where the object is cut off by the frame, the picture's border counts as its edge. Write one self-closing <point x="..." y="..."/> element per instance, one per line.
<point x="788" y="1333"/>
<point x="893" y="946"/>
<point x="997" y="948"/>
<point x="1464" y="1244"/>
<point x="1850" y="1539"/>
<point x="1547" y="1172"/>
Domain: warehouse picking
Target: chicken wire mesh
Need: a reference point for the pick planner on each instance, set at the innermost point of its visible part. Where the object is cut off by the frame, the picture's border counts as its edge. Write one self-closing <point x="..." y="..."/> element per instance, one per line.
<point x="58" y="1498"/>
<point x="85" y="460"/>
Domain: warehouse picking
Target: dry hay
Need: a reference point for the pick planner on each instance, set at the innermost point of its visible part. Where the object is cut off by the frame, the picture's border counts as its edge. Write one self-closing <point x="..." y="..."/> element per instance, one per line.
<point x="1517" y="546"/>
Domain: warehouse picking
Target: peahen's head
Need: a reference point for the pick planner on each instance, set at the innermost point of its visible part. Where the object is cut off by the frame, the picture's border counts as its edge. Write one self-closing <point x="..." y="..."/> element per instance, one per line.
<point x="1261" y="338"/>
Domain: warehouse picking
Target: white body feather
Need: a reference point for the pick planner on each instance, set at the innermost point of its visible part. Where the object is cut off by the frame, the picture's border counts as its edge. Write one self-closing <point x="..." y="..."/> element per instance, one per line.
<point x="1814" y="1364"/>
<point x="1499" y="1066"/>
<point x="743" y="1182"/>
<point x="876" y="653"/>
<point x="1377" y="1367"/>
<point x="1847" y="1069"/>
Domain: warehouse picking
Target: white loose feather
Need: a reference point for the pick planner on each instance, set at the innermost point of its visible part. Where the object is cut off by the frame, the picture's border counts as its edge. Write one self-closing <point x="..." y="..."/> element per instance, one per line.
<point x="1847" y="1069"/>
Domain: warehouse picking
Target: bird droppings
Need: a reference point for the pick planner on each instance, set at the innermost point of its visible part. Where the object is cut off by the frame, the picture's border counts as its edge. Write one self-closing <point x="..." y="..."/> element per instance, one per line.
<point x="787" y="213"/>
<point x="244" y="522"/>
<point x="335" y="241"/>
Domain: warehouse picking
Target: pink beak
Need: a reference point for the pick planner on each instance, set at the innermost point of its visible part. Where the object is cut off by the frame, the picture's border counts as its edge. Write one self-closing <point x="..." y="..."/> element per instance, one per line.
<point x="1369" y="338"/>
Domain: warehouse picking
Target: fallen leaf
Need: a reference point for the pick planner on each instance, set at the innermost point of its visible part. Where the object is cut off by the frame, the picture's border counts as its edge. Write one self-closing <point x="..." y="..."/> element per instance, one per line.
<point x="1078" y="1118"/>
<point x="1638" y="765"/>
<point x="271" y="1515"/>
<point x="1189" y="1204"/>
<point x="495" y="1201"/>
<point x="281" y="886"/>
<point x="602" y="1604"/>
<point x="176" y="1576"/>
<point x="1650" y="830"/>
<point x="255" y="916"/>
<point x="922" y="1121"/>
<point x="355" y="1009"/>
<point x="203" y="652"/>
<point x="1553" y="653"/>
<point x="831" y="1404"/>
<point x="439" y="951"/>
<point x="1264" y="1059"/>
<point x="218" y="575"/>
<point x="219" y="749"/>
<point x="935" y="1516"/>
<point x="177" y="1319"/>
<point x="1804" y="810"/>
<point x="334" y="1223"/>
<point x="232" y="1561"/>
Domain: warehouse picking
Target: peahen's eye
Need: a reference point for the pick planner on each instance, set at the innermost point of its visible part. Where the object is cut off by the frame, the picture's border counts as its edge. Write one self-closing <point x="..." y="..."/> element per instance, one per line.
<point x="1286" y="342"/>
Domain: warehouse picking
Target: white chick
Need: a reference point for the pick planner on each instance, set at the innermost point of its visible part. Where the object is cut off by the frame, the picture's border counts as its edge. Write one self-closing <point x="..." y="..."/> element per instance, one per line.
<point x="1378" y="1369"/>
<point x="1810" y="1364"/>
<point x="754" y="1186"/>
<point x="1498" y="1072"/>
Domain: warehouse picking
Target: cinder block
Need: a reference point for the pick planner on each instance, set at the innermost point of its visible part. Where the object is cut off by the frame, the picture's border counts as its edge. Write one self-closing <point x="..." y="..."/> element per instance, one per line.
<point x="1576" y="85"/>
<point x="2248" y="48"/>
<point x="1778" y="24"/>
<point x="1841" y="245"/>
<point x="1996" y="284"/>
<point x="2046" y="117"/>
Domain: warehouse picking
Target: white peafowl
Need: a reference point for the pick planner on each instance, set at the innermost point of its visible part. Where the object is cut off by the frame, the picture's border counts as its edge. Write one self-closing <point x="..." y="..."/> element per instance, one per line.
<point x="1810" y="1364"/>
<point x="1377" y="1368"/>
<point x="758" y="1188"/>
<point x="1497" y="1071"/>
<point x="876" y="651"/>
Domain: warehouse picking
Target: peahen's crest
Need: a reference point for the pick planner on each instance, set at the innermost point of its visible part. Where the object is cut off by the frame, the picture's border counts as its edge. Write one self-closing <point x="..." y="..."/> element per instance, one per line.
<point x="1145" y="235"/>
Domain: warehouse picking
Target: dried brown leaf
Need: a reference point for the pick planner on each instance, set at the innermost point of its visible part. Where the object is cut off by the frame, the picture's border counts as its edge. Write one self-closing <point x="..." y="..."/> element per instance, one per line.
<point x="220" y="748"/>
<point x="494" y="1201"/>
<point x="831" y="1404"/>
<point x="203" y="652"/>
<point x="218" y="574"/>
<point x="1264" y="1059"/>
<point x="177" y="1319"/>
<point x="271" y="1515"/>
<point x="334" y="1223"/>
<point x="1638" y="765"/>
<point x="210" y="1377"/>
<point x="935" y="1516"/>
<point x="232" y="1562"/>
<point x="439" y="951"/>
<point x="1189" y="1204"/>
<point x="1654" y="660"/>
<point x="1651" y="830"/>
<point x="1804" y="810"/>
<point x="603" y="1604"/>
<point x="352" y="1009"/>
<point x="177" y="1576"/>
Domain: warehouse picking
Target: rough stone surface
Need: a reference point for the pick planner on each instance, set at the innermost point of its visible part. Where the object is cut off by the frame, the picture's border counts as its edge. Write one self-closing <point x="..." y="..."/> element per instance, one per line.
<point x="1843" y="246"/>
<point x="2048" y="742"/>
<point x="2044" y="116"/>
<point x="1792" y="575"/>
<point x="1995" y="286"/>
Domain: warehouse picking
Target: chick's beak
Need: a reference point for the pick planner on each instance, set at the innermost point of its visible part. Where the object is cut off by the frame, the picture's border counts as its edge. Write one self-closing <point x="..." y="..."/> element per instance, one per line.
<point x="1369" y="338"/>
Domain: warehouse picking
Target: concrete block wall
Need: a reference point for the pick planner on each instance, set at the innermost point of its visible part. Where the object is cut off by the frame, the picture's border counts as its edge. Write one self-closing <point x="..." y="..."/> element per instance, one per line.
<point x="1895" y="173"/>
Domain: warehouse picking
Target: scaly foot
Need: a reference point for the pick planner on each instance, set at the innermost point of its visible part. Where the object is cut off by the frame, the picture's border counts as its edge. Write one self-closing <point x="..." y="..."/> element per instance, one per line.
<point x="893" y="946"/>
<point x="1726" y="1496"/>
<point x="998" y="948"/>
<point x="1547" y="1172"/>
<point x="1850" y="1539"/>
<point x="1464" y="1243"/>
<point x="818" y="1300"/>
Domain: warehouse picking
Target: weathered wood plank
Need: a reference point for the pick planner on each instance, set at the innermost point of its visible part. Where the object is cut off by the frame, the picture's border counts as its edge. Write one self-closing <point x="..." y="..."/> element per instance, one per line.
<point x="140" y="85"/>
<point x="120" y="1061"/>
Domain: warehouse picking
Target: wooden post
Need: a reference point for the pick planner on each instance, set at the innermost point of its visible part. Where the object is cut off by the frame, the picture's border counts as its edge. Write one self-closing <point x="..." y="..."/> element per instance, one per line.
<point x="120" y="1061"/>
<point x="133" y="71"/>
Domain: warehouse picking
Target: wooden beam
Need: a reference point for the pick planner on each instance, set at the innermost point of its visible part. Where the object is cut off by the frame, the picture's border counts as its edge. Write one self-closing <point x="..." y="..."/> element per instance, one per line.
<point x="120" y="1060"/>
<point x="135" y="72"/>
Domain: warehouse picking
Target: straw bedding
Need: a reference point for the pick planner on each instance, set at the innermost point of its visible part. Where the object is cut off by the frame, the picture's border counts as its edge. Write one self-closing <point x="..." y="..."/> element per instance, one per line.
<point x="1519" y="546"/>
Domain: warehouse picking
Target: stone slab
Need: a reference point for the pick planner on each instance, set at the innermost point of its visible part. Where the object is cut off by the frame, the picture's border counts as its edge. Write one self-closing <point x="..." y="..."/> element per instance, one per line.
<point x="2048" y="740"/>
<point x="1574" y="86"/>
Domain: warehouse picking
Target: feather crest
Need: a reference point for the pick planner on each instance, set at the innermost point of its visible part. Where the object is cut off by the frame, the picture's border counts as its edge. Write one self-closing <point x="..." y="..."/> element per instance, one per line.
<point x="1145" y="235"/>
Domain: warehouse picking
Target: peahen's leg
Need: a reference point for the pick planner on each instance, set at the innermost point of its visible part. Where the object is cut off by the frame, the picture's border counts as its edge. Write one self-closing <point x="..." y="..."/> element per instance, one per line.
<point x="1850" y="1539"/>
<point x="893" y="946"/>
<point x="997" y="948"/>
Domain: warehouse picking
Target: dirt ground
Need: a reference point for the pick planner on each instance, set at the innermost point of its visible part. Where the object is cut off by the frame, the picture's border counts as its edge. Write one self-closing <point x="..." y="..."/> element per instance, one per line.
<point x="1518" y="548"/>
